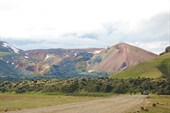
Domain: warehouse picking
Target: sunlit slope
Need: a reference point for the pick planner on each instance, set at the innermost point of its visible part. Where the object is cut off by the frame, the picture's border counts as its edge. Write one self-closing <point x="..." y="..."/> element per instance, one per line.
<point x="149" y="69"/>
<point x="119" y="57"/>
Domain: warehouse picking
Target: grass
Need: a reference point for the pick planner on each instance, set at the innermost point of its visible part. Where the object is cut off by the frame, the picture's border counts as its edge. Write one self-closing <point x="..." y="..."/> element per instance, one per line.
<point x="147" y="69"/>
<point x="162" y="104"/>
<point x="157" y="104"/>
<point x="3" y="53"/>
<point x="10" y="102"/>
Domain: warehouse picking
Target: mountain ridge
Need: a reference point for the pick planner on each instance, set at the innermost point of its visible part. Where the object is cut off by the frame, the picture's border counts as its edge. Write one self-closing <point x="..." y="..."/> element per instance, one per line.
<point x="76" y="62"/>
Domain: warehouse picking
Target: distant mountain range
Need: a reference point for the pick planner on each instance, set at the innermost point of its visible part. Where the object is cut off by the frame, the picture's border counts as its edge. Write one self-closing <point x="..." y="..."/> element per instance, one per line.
<point x="64" y="63"/>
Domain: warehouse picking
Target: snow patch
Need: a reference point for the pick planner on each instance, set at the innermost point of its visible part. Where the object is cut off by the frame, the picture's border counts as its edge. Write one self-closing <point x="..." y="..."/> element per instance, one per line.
<point x="26" y="57"/>
<point x="47" y="56"/>
<point x="12" y="47"/>
<point x="26" y="54"/>
<point x="90" y="71"/>
<point x="97" y="52"/>
<point x="5" y="45"/>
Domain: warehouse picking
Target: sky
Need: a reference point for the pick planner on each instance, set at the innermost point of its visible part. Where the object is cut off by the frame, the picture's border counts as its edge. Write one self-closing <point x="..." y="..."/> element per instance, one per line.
<point x="38" y="24"/>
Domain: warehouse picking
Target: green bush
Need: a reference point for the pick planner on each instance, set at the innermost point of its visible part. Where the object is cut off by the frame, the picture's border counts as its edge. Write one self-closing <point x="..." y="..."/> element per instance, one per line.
<point x="165" y="67"/>
<point x="89" y="85"/>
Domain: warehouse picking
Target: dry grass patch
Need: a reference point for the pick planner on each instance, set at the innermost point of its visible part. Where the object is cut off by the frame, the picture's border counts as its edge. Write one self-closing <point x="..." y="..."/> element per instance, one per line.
<point x="158" y="104"/>
<point x="10" y="102"/>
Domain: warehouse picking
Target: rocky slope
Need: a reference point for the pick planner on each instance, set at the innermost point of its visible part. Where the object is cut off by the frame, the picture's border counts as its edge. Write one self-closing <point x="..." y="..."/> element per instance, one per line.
<point x="119" y="57"/>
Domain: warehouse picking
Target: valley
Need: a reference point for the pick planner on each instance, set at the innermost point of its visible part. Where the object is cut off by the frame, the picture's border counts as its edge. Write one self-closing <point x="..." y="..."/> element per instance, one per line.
<point x="84" y="56"/>
<point x="95" y="80"/>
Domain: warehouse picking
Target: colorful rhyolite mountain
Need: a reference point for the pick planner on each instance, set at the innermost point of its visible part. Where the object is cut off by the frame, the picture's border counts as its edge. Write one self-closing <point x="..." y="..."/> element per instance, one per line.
<point x="74" y="61"/>
<point x="120" y="57"/>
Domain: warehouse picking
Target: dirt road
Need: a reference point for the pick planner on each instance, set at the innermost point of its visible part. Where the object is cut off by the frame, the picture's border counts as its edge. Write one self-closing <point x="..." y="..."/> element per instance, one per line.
<point x="115" y="104"/>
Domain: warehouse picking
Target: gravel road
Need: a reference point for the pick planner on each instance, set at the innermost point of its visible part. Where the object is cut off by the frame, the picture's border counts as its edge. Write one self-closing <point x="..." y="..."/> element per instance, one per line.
<point x="115" y="104"/>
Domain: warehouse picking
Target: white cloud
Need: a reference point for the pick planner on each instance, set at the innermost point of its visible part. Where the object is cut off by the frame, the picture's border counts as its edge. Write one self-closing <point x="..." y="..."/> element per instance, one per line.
<point x="83" y="23"/>
<point x="36" y="18"/>
<point x="156" y="46"/>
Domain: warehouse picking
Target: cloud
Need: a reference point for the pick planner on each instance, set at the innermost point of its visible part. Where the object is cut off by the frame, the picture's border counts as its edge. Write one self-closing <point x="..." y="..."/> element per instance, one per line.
<point x="81" y="35"/>
<point x="154" y="29"/>
<point x="90" y="35"/>
<point x="41" y="18"/>
<point x="155" y="46"/>
<point x="63" y="42"/>
<point x="151" y="34"/>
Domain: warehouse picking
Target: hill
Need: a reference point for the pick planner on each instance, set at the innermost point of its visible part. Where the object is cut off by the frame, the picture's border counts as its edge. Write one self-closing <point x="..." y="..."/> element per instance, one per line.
<point x="9" y="72"/>
<point x="44" y="59"/>
<point x="119" y="57"/>
<point x="6" y="68"/>
<point x="46" y="62"/>
<point x="151" y="69"/>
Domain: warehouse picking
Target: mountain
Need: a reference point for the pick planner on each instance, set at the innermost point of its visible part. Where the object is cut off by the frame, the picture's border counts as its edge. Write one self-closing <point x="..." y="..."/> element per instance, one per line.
<point x="45" y="59"/>
<point x="9" y="72"/>
<point x="6" y="68"/>
<point x="67" y="63"/>
<point x="154" y="68"/>
<point x="48" y="62"/>
<point x="5" y="47"/>
<point x="119" y="57"/>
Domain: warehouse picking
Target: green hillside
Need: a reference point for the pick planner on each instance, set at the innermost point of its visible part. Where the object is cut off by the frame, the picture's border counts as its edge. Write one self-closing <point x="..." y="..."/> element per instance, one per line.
<point x="7" y="71"/>
<point x="151" y="69"/>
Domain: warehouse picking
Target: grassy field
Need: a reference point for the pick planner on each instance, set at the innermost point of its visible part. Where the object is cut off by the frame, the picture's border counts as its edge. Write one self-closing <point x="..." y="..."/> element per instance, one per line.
<point x="147" y="69"/>
<point x="157" y="104"/>
<point x="10" y="102"/>
<point x="162" y="104"/>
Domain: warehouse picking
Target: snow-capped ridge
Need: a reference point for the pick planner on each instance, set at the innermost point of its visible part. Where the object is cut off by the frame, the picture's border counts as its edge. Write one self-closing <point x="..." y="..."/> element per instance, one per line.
<point x="15" y="50"/>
